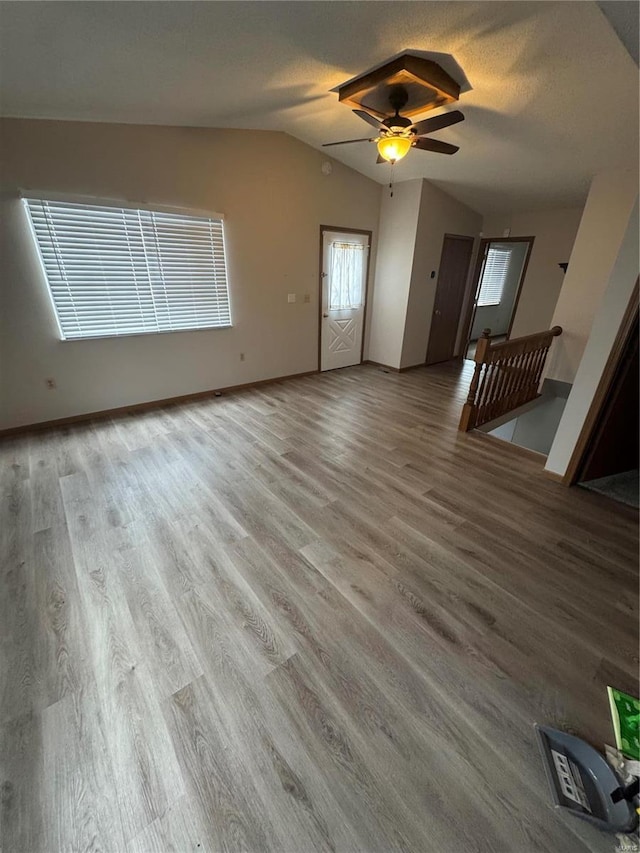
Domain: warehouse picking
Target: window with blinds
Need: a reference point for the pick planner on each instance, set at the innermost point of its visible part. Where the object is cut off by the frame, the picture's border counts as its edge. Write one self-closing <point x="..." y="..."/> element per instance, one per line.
<point x="123" y="271"/>
<point x="494" y="276"/>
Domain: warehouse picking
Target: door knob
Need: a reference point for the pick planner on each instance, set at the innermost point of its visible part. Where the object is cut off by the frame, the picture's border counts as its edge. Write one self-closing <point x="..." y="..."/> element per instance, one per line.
<point x="325" y="315"/>
<point x="437" y="313"/>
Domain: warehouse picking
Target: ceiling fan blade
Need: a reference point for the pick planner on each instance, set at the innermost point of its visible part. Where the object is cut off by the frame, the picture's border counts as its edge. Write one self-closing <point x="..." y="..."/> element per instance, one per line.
<point x="436" y="146"/>
<point x="347" y="142"/>
<point x="430" y="125"/>
<point x="374" y="122"/>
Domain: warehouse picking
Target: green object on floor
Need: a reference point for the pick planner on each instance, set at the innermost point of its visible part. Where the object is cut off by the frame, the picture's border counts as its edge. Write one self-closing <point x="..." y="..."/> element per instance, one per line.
<point x="625" y="711"/>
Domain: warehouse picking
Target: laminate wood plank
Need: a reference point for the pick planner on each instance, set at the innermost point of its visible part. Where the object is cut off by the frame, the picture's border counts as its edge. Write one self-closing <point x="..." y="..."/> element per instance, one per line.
<point x="146" y="773"/>
<point x="46" y="500"/>
<point x="383" y="822"/>
<point x="167" y="542"/>
<point x="180" y="829"/>
<point x="167" y="651"/>
<point x="17" y="598"/>
<point x="21" y="777"/>
<point x="59" y="634"/>
<point x="16" y="463"/>
<point x="300" y="806"/>
<point x="80" y="810"/>
<point x="248" y="618"/>
<point x="113" y="494"/>
<point x="226" y="798"/>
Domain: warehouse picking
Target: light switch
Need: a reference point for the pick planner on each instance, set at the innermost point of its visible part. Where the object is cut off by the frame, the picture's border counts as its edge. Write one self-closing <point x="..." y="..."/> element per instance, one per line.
<point x="291" y="297"/>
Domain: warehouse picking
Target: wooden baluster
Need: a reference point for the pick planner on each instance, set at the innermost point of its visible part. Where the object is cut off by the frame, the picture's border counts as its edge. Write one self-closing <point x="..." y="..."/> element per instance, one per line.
<point x="532" y="390"/>
<point x="491" y="395"/>
<point x="542" y="357"/>
<point x="491" y="371"/>
<point x="520" y="379"/>
<point x="501" y="384"/>
<point x="501" y="405"/>
<point x="521" y="391"/>
<point x="512" y="379"/>
<point x="543" y="360"/>
<point x="541" y="364"/>
<point x="529" y="375"/>
<point x="493" y="378"/>
<point x="485" y="388"/>
<point x="468" y="417"/>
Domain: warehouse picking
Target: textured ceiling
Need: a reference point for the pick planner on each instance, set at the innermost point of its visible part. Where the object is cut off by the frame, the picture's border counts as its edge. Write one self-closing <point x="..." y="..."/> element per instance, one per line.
<point x="551" y="94"/>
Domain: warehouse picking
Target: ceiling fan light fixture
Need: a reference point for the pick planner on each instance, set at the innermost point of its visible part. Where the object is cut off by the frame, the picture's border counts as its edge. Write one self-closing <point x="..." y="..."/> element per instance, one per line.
<point x="394" y="148"/>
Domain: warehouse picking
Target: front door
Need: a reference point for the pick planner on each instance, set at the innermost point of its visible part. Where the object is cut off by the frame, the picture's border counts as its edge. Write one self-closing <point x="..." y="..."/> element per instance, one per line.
<point x="344" y="287"/>
<point x="452" y="279"/>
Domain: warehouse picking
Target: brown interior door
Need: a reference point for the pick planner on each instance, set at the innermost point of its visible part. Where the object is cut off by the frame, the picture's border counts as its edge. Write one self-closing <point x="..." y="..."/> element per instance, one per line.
<point x="452" y="278"/>
<point x="614" y="446"/>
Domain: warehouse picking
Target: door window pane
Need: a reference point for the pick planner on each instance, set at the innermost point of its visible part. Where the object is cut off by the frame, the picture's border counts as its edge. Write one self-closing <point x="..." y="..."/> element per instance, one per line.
<point x="346" y="275"/>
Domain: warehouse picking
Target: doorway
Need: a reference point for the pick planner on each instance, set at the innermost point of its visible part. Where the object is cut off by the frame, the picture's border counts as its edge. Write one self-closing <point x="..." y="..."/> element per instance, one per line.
<point x="500" y="271"/>
<point x="344" y="273"/>
<point x="610" y="462"/>
<point x="452" y="280"/>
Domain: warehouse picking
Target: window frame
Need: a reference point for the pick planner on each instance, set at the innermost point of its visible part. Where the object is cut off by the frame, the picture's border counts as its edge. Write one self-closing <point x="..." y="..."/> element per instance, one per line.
<point x="124" y="204"/>
<point x="507" y="251"/>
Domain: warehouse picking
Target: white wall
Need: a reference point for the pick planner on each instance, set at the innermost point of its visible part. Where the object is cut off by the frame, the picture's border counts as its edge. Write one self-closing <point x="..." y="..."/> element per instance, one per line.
<point x="274" y="196"/>
<point x="394" y="263"/>
<point x="498" y="317"/>
<point x="603" y="225"/>
<point x="555" y="233"/>
<point x="439" y="214"/>
<point x="604" y="331"/>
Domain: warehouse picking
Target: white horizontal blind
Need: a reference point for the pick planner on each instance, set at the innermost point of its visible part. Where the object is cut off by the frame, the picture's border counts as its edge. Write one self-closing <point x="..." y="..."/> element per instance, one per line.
<point x="494" y="276"/>
<point x="121" y="271"/>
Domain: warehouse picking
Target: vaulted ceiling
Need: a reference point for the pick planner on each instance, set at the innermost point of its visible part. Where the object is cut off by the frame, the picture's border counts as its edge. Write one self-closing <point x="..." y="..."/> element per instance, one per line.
<point x="551" y="93"/>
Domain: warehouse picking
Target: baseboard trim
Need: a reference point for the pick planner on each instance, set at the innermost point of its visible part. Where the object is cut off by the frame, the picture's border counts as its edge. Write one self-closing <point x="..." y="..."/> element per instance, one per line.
<point x="557" y="478"/>
<point x="151" y="404"/>
<point x="392" y="369"/>
<point x="412" y="367"/>
<point x="383" y="366"/>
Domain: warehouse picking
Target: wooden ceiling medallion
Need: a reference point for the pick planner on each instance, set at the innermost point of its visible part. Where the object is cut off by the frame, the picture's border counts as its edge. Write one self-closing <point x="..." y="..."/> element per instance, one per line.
<point x="427" y="85"/>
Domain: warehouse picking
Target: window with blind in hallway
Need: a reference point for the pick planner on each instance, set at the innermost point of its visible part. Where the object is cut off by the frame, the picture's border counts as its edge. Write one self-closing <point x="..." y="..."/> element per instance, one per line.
<point x="494" y="276"/>
<point x="117" y="271"/>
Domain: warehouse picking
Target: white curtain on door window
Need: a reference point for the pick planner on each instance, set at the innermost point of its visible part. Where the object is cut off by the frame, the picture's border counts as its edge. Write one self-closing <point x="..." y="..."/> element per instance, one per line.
<point x="347" y="260"/>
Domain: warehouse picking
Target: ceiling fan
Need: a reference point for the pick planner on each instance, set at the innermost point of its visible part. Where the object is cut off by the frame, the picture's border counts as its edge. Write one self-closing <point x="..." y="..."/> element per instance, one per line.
<point x="397" y="134"/>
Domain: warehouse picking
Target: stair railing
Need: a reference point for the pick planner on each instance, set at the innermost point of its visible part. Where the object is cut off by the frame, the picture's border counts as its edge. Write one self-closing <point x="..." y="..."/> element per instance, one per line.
<point x="507" y="375"/>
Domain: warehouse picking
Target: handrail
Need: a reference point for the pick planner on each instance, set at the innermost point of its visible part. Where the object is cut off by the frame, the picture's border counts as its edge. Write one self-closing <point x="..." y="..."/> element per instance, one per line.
<point x="507" y="375"/>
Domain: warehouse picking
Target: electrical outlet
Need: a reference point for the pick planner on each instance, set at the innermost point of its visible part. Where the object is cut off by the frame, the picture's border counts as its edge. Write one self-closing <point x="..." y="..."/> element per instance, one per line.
<point x="291" y="297"/>
<point x="50" y="383"/>
<point x="241" y="356"/>
<point x="307" y="297"/>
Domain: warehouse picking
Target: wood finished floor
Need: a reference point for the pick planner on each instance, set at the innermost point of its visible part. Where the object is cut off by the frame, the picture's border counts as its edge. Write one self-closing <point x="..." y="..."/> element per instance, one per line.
<point x="307" y="617"/>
